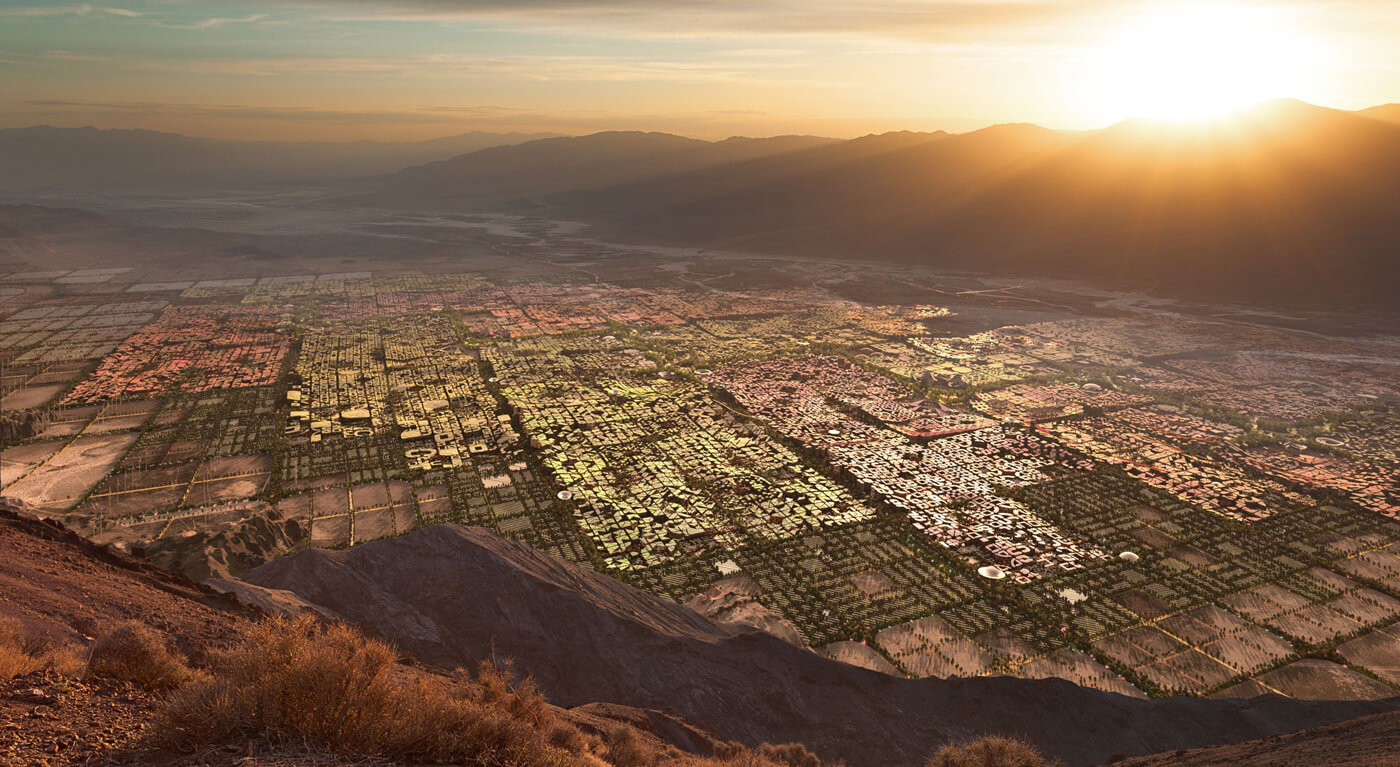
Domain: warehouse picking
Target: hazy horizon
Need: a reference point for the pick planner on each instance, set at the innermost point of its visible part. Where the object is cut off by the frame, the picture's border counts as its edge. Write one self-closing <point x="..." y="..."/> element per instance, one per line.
<point x="1223" y="119"/>
<point x="405" y="70"/>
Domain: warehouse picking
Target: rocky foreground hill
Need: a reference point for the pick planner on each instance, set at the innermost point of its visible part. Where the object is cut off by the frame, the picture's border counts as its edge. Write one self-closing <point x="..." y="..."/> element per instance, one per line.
<point x="608" y="656"/>
<point x="63" y="593"/>
<point x="453" y="595"/>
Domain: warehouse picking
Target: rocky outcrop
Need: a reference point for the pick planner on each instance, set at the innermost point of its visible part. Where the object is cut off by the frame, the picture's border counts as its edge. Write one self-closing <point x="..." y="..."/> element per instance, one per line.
<point x="18" y="425"/>
<point x="230" y="551"/>
<point x="269" y="601"/>
<point x="734" y="602"/>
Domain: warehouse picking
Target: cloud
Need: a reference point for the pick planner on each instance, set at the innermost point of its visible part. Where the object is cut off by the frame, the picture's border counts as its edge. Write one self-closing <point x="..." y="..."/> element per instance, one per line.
<point x="212" y="23"/>
<point x="50" y="10"/>
<point x="37" y="11"/>
<point x="541" y="68"/>
<point x="445" y="118"/>
<point x="242" y="111"/>
<point x="921" y="20"/>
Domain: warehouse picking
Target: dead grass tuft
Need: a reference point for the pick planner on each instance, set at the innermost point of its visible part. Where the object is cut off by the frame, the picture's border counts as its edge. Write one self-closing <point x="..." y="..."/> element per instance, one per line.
<point x="990" y="751"/>
<point x="789" y="754"/>
<point x="22" y="653"/>
<point x="136" y="653"/>
<point x="626" y="748"/>
<point x="296" y="680"/>
<point x="766" y="755"/>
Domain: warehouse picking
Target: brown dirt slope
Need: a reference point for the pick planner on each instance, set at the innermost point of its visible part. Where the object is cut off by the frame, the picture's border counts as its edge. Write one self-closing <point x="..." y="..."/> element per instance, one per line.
<point x="65" y="589"/>
<point x="454" y="595"/>
<point x="62" y="587"/>
<point x="1372" y="741"/>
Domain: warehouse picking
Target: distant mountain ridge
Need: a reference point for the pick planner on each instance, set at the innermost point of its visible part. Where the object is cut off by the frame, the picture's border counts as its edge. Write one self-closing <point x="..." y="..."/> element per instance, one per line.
<point x="45" y="158"/>
<point x="530" y="172"/>
<point x="1286" y="203"/>
<point x="1386" y="112"/>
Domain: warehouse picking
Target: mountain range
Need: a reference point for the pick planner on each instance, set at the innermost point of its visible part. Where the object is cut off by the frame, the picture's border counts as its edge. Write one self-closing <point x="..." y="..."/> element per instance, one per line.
<point x="46" y="159"/>
<point x="525" y="174"/>
<point x="1287" y="202"/>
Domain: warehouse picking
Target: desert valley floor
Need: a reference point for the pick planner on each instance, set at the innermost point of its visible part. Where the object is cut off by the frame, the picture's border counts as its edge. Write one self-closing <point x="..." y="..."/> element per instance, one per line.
<point x="925" y="474"/>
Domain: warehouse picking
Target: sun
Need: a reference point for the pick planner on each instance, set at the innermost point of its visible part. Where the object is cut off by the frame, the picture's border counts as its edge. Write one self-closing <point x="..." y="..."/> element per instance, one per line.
<point x="1194" y="61"/>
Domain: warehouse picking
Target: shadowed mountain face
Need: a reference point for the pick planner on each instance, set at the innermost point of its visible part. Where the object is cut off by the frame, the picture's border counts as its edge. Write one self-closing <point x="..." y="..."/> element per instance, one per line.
<point x="44" y="158"/>
<point x="1385" y="112"/>
<point x="1365" y="742"/>
<point x="1287" y="202"/>
<point x="455" y="595"/>
<point x="1290" y="202"/>
<point x="529" y="172"/>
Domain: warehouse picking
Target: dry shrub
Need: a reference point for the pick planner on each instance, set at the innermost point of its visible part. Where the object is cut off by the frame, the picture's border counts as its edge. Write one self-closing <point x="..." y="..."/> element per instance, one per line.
<point x="626" y="748"/>
<point x="136" y="653"/>
<point x="742" y="758"/>
<point x="990" y="751"/>
<point x="15" y="658"/>
<point x="766" y="755"/>
<point x="572" y="739"/>
<point x="790" y="754"/>
<point x="495" y="687"/>
<point x="22" y="653"/>
<point x="296" y="680"/>
<point x="293" y="679"/>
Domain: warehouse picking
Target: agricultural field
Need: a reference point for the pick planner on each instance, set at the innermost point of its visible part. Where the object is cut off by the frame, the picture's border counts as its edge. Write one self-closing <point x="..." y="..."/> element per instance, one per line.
<point x="1147" y="504"/>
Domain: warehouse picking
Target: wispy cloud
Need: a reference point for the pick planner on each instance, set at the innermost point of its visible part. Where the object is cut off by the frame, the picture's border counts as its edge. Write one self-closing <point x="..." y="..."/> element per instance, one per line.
<point x="432" y="66"/>
<point x="242" y="111"/>
<point x="480" y="116"/>
<point x="923" y="20"/>
<point x="49" y="9"/>
<point x="212" y="23"/>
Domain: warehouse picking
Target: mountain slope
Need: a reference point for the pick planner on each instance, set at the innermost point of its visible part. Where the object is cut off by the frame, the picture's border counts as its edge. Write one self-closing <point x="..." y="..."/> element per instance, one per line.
<point x="58" y="590"/>
<point x="61" y="587"/>
<point x="837" y="207"/>
<point x="454" y="595"/>
<point x="1287" y="202"/>
<point x="737" y="178"/>
<point x="539" y="169"/>
<point x="1366" y="742"/>
<point x="44" y="158"/>
<point x="1385" y="112"/>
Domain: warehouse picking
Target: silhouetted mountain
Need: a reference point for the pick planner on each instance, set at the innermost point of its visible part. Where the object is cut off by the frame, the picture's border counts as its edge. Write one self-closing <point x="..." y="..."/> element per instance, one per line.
<point x="537" y="169"/>
<point x="455" y="595"/>
<point x="1387" y="112"/>
<point x="44" y="158"/>
<point x="846" y="192"/>
<point x="765" y="180"/>
<point x="1289" y="201"/>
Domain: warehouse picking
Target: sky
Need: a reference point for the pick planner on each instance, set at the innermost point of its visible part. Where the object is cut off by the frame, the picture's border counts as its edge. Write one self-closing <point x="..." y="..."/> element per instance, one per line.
<point x="416" y="69"/>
